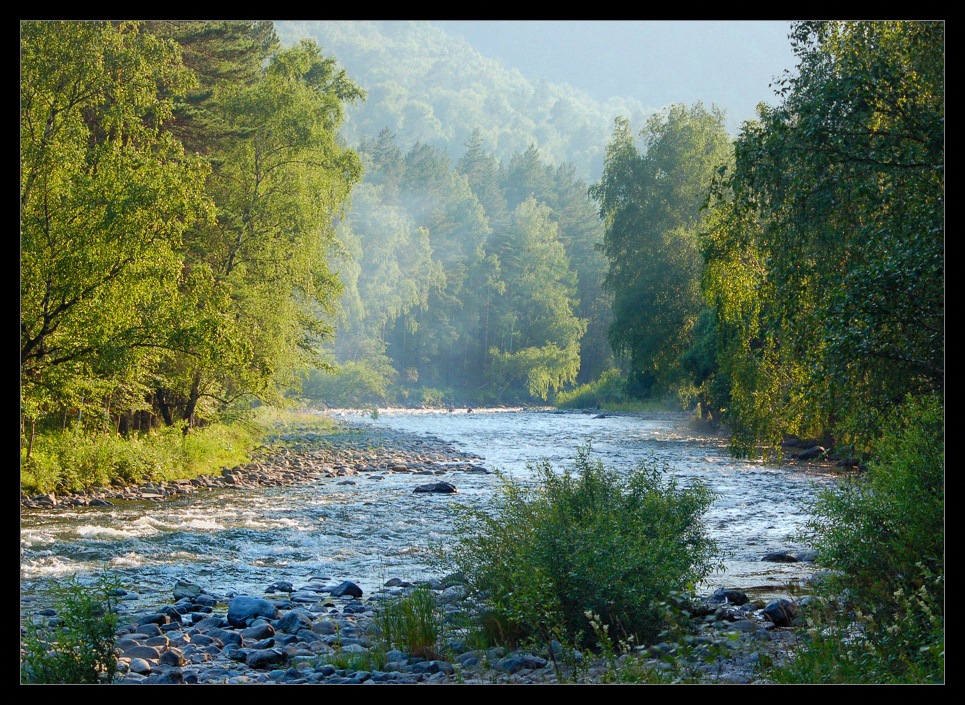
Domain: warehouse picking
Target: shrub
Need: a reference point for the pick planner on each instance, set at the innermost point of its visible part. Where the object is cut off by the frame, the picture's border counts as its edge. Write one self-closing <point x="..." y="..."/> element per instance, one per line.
<point x="607" y="389"/>
<point x="875" y="528"/>
<point x="883" y="534"/>
<point x="78" y="647"/>
<point x="589" y="540"/>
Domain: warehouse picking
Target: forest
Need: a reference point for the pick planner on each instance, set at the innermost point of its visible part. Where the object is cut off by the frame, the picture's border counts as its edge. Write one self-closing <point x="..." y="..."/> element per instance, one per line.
<point x="204" y="230"/>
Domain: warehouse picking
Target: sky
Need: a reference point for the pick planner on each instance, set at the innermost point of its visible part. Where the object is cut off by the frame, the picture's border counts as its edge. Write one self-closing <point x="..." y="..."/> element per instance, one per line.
<point x="729" y="63"/>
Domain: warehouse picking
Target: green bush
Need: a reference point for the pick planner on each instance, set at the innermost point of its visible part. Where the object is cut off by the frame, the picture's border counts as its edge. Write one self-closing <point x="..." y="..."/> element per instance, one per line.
<point x="876" y="527"/>
<point x="79" y="646"/>
<point x="883" y="534"/>
<point x="607" y="389"/>
<point x="587" y="541"/>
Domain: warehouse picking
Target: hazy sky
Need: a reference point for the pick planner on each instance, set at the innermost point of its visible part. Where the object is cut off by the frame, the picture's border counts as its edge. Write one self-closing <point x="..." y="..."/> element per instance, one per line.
<point x="729" y="63"/>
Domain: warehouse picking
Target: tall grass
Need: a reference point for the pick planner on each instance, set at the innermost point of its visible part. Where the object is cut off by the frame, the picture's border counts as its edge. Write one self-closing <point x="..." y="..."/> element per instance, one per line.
<point x="76" y="459"/>
<point x="411" y="623"/>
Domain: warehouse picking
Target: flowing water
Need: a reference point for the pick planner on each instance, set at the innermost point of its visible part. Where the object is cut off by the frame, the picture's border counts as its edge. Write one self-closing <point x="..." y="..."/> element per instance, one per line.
<point x="241" y="541"/>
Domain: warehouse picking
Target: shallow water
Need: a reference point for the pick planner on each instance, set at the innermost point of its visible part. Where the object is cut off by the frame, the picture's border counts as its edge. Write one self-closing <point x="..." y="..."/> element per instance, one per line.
<point x="240" y="541"/>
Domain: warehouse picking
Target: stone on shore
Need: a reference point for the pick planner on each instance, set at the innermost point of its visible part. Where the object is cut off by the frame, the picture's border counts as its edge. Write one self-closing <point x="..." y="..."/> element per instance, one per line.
<point x="243" y="610"/>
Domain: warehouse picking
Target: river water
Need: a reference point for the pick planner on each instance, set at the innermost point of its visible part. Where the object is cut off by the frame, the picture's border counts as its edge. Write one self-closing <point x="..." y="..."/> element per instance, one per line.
<point x="240" y="542"/>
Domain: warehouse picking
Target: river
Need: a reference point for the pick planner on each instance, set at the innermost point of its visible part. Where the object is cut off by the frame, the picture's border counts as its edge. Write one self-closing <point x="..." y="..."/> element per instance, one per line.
<point x="239" y="542"/>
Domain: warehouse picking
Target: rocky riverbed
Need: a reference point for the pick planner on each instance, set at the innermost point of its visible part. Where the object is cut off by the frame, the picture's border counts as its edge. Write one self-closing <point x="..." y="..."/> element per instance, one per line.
<point x="323" y="631"/>
<point x="329" y="633"/>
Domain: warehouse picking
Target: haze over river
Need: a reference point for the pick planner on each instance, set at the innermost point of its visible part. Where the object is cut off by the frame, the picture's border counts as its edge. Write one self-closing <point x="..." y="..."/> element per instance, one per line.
<point x="241" y="541"/>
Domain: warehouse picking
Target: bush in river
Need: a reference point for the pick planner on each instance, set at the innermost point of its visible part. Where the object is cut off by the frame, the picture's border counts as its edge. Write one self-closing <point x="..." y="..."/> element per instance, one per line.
<point x="589" y="540"/>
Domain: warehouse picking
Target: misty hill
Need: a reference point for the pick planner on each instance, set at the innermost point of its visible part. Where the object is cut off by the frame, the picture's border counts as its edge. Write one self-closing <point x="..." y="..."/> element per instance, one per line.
<point x="427" y="86"/>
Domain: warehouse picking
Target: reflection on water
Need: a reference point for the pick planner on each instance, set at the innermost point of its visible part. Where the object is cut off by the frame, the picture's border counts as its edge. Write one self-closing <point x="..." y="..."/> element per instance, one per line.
<point x="241" y="541"/>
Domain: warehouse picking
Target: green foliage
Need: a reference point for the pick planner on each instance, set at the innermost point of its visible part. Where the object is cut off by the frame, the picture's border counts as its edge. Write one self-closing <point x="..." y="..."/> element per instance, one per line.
<point x="536" y="331"/>
<point x="105" y="197"/>
<point x="588" y="540"/>
<point x="176" y="221"/>
<point x="412" y="623"/>
<point x="607" y="389"/>
<point x="883" y="535"/>
<point x="877" y="527"/>
<point x="825" y="257"/>
<point x="905" y="647"/>
<point x="651" y="204"/>
<point x="78" y="647"/>
<point x="460" y="293"/>
<point x="353" y="384"/>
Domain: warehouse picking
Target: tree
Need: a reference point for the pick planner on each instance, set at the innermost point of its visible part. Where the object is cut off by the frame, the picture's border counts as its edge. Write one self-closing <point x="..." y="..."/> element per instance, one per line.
<point x="838" y="194"/>
<point x="651" y="202"/>
<point x="537" y="334"/>
<point x="260" y="287"/>
<point x="105" y="197"/>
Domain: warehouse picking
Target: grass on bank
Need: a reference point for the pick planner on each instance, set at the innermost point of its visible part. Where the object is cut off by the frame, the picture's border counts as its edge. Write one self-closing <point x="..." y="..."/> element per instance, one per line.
<point x="75" y="459"/>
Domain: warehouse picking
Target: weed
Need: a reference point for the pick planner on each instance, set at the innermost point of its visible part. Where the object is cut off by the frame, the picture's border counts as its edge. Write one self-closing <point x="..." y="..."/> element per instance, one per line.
<point x="411" y="623"/>
<point x="592" y="540"/>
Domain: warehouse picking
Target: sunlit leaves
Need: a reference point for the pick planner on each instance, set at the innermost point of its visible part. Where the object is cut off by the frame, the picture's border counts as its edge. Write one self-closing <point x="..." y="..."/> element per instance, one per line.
<point x="839" y="200"/>
<point x="105" y="198"/>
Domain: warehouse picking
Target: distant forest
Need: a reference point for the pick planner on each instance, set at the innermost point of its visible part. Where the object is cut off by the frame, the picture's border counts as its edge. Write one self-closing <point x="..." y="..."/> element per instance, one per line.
<point x="429" y="87"/>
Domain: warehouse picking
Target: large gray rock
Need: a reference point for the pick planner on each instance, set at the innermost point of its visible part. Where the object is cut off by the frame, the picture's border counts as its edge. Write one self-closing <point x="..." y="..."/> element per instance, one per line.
<point x="141" y="652"/>
<point x="293" y="622"/>
<point x="243" y="610"/>
<point x="438" y="488"/>
<point x="780" y="613"/>
<point x="263" y="658"/>
<point x="262" y="630"/>
<point x="518" y="661"/>
<point x="186" y="589"/>
<point x="172" y="657"/>
<point x="347" y="588"/>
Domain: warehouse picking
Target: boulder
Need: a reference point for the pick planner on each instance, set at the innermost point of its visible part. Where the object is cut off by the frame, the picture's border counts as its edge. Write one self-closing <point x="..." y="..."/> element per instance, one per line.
<point x="244" y="609"/>
<point x="347" y="588"/>
<point x="186" y="589"/>
<point x="813" y="453"/>
<point x="438" y="488"/>
<point x="780" y="613"/>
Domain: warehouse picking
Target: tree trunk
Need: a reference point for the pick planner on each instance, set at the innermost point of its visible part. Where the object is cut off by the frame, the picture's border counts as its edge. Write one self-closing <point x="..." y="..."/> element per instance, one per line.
<point x="163" y="406"/>
<point x="192" y="401"/>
